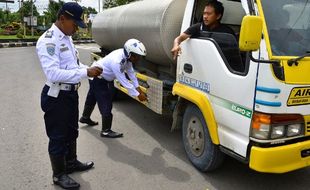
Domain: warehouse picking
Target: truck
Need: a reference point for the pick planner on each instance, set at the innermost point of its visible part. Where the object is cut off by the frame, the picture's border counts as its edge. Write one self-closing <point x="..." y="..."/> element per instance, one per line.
<point x="246" y="97"/>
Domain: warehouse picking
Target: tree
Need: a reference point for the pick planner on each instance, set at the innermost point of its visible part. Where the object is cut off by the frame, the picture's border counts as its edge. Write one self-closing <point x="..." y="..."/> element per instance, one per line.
<point x="109" y="4"/>
<point x="52" y="10"/>
<point x="2" y="16"/>
<point x="89" y="10"/>
<point x="25" y="10"/>
<point x="123" y="2"/>
<point x="114" y="3"/>
<point x="14" y="17"/>
<point x="53" y="7"/>
<point x="6" y="16"/>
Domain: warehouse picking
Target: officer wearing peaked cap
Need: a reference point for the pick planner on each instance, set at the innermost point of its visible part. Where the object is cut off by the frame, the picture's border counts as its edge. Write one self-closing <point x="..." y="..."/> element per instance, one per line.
<point x="59" y="97"/>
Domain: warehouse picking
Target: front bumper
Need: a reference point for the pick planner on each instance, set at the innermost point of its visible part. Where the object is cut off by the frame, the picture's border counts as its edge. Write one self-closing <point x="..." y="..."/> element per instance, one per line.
<point x="280" y="159"/>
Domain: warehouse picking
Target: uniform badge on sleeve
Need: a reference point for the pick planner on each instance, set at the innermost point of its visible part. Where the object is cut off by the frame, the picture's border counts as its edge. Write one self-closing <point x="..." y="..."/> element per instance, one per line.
<point x="50" y="48"/>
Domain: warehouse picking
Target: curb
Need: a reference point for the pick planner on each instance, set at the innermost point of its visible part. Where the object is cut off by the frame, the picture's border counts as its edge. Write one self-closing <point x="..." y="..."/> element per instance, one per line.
<point x="25" y="44"/>
<point x="18" y="44"/>
<point x="83" y="41"/>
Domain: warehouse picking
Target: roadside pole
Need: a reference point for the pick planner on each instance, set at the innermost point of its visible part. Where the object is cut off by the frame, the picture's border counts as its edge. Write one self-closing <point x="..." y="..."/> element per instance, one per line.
<point x="31" y="19"/>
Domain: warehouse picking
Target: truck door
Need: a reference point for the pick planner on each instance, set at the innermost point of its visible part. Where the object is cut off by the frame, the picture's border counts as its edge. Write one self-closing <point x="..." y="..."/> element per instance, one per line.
<point x="230" y="91"/>
<point x="227" y="77"/>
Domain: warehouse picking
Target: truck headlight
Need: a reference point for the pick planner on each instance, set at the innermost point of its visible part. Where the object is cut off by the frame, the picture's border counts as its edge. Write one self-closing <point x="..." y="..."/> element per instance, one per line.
<point x="261" y="132"/>
<point x="277" y="132"/>
<point x="276" y="126"/>
<point x="294" y="129"/>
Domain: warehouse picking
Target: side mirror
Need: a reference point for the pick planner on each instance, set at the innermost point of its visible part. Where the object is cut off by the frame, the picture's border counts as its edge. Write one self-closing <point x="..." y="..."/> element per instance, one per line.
<point x="250" y="33"/>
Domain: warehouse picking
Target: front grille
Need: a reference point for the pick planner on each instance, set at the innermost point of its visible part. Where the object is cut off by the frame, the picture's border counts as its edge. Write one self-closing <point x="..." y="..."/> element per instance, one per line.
<point x="308" y="126"/>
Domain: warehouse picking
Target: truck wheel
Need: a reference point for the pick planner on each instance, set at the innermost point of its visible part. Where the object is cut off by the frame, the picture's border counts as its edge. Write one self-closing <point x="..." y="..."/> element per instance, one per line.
<point x="198" y="145"/>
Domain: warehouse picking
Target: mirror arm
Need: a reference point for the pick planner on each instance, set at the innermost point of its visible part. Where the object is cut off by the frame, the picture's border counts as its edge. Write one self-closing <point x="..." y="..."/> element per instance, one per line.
<point x="251" y="7"/>
<point x="274" y="62"/>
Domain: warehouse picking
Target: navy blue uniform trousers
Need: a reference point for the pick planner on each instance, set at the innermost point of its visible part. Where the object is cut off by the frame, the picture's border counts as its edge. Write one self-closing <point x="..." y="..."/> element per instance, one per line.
<point x="100" y="91"/>
<point x="61" y="119"/>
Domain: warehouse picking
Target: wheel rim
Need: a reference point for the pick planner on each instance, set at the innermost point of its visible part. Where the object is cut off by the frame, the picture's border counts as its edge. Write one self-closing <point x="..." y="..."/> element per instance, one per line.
<point x="195" y="136"/>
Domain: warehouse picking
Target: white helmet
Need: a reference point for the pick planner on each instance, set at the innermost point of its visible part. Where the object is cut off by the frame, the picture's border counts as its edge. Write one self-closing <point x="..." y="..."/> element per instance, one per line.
<point x="134" y="46"/>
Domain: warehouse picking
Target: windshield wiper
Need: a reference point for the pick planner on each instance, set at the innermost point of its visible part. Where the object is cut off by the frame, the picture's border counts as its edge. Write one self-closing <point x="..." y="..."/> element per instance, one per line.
<point x="295" y="61"/>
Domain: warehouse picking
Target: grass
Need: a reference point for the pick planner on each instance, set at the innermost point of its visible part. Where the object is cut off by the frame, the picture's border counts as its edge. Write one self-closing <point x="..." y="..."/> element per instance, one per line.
<point x="8" y="37"/>
<point x="14" y="37"/>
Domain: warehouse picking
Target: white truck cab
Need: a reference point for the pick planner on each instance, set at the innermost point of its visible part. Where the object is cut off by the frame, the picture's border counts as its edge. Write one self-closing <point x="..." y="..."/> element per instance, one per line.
<point x="247" y="97"/>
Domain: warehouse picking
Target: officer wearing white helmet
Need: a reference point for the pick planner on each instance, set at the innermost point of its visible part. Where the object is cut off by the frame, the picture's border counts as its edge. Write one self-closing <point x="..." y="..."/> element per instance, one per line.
<point x="114" y="66"/>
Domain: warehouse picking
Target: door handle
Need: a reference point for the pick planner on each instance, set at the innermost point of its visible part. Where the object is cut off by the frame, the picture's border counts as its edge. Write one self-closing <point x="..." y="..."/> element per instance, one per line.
<point x="188" y="68"/>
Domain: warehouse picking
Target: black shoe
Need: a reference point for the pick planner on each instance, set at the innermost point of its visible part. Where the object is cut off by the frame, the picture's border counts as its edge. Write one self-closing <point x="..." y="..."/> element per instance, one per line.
<point x="65" y="182"/>
<point x="77" y="166"/>
<point x="110" y="134"/>
<point x="88" y="121"/>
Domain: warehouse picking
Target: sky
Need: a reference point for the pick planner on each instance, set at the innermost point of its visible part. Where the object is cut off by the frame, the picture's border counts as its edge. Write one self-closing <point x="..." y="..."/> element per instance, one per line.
<point x="42" y="4"/>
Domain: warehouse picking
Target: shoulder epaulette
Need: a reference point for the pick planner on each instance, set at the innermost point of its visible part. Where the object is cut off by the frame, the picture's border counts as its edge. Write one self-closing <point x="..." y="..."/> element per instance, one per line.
<point x="49" y="34"/>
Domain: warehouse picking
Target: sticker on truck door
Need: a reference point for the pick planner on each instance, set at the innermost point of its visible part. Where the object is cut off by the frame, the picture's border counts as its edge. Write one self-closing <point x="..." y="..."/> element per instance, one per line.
<point x="299" y="96"/>
<point x="195" y="83"/>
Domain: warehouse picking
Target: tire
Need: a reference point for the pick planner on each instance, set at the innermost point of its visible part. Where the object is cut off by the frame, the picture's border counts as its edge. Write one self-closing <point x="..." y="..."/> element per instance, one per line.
<point x="197" y="142"/>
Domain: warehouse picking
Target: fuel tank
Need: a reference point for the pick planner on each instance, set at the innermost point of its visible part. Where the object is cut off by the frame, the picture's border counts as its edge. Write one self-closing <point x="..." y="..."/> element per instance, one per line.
<point x="154" y="23"/>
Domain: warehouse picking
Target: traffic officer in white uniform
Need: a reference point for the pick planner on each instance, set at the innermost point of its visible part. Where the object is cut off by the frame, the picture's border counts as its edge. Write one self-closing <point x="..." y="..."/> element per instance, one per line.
<point x="59" y="97"/>
<point x="115" y="65"/>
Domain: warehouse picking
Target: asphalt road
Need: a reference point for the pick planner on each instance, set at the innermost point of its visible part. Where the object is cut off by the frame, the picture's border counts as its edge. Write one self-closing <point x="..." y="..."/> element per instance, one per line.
<point x="149" y="156"/>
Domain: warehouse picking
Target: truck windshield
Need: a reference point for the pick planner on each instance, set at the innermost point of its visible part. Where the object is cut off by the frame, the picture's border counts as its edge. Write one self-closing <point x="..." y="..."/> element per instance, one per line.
<point x="288" y="24"/>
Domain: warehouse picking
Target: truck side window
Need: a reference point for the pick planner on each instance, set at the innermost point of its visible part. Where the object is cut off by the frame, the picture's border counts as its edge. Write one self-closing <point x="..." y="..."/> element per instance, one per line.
<point x="228" y="47"/>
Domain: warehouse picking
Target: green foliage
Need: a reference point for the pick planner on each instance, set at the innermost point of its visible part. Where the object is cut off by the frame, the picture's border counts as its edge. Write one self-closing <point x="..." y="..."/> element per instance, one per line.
<point x="123" y="2"/>
<point x="2" y="15"/>
<point x="14" y="26"/>
<point x="25" y="10"/>
<point x="7" y="16"/>
<point x="11" y="23"/>
<point x="20" y="35"/>
<point x="114" y="3"/>
<point x="14" y="17"/>
<point x="15" y="37"/>
<point x="52" y="11"/>
<point x="10" y="28"/>
<point x="109" y="4"/>
<point x="41" y="20"/>
<point x="89" y="10"/>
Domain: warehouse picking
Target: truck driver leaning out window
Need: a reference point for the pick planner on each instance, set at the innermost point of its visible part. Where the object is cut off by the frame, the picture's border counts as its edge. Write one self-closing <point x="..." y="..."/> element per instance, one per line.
<point x="212" y="15"/>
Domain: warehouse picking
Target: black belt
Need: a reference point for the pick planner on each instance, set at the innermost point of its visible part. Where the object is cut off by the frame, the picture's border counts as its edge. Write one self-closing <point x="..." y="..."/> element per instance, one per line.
<point x="65" y="86"/>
